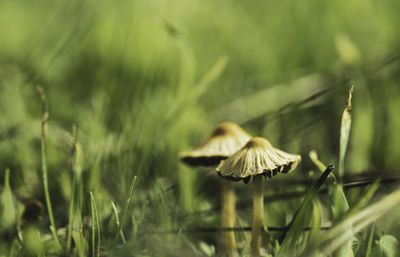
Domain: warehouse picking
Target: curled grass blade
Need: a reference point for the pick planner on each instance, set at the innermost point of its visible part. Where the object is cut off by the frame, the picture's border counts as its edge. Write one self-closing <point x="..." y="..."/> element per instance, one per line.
<point x="341" y="205"/>
<point x="345" y="131"/>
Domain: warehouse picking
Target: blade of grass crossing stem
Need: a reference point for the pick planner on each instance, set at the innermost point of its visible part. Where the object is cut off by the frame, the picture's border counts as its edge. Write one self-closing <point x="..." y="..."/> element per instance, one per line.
<point x="45" y="118"/>
<point x="294" y="229"/>
<point x="338" y="235"/>
<point x="126" y="207"/>
<point x="121" y="233"/>
<point x="340" y="205"/>
<point x="338" y="201"/>
<point x="95" y="227"/>
<point x="331" y="180"/>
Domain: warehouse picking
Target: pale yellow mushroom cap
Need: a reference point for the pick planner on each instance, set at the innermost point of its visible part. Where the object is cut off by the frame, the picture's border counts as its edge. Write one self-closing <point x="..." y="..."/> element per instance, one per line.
<point x="225" y="140"/>
<point x="258" y="156"/>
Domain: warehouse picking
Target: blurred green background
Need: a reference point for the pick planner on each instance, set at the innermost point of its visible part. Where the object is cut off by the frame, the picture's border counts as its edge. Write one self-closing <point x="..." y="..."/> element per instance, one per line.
<point x="145" y="80"/>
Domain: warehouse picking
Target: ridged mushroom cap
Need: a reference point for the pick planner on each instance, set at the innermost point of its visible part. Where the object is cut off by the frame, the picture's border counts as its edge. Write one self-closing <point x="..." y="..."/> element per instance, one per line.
<point x="225" y="140"/>
<point x="258" y="156"/>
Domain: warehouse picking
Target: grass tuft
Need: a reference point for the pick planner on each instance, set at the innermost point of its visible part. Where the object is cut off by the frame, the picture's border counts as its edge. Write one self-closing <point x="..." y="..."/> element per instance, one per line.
<point x="126" y="209"/>
<point x="294" y="230"/>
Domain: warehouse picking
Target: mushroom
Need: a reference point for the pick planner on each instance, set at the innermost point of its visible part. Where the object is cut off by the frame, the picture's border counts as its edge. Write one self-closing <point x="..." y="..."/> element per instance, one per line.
<point x="256" y="159"/>
<point x="225" y="140"/>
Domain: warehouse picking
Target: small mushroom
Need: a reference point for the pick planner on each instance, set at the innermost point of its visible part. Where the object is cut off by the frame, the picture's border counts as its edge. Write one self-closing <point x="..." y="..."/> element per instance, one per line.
<point x="225" y="140"/>
<point x="256" y="159"/>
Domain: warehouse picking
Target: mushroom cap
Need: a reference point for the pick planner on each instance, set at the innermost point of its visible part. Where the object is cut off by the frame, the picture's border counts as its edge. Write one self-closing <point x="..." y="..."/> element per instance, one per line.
<point x="258" y="156"/>
<point x="225" y="140"/>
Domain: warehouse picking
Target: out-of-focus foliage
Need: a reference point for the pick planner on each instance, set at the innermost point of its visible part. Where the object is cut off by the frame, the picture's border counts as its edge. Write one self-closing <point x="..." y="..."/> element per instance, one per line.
<point x="144" y="80"/>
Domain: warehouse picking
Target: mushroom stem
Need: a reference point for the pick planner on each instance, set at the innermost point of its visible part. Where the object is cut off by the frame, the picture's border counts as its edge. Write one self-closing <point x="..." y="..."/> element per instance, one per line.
<point x="258" y="216"/>
<point x="228" y="217"/>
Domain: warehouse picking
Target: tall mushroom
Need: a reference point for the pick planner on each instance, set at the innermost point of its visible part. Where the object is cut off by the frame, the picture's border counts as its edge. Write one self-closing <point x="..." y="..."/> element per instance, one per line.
<point x="225" y="140"/>
<point x="256" y="159"/>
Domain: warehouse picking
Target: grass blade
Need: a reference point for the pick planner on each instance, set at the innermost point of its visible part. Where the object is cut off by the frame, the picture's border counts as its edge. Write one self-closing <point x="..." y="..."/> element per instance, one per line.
<point x="365" y="247"/>
<point x="8" y="212"/>
<point x="314" y="158"/>
<point x="295" y="227"/>
<point x="165" y="214"/>
<point x="345" y="132"/>
<point x="199" y="89"/>
<point x="41" y="252"/>
<point x="121" y="233"/>
<point x="45" y="118"/>
<point x="70" y="216"/>
<point x="367" y="195"/>
<point x="126" y="207"/>
<point x="315" y="230"/>
<point x="339" y="234"/>
<point x="370" y="240"/>
<point x="95" y="227"/>
<point x="341" y="206"/>
<point x="75" y="200"/>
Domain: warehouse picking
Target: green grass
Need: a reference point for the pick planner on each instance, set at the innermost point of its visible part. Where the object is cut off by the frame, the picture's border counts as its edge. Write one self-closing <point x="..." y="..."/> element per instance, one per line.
<point x="140" y="81"/>
<point x="45" y="119"/>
